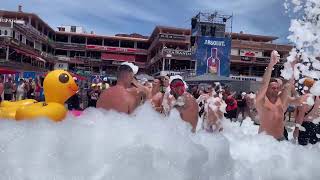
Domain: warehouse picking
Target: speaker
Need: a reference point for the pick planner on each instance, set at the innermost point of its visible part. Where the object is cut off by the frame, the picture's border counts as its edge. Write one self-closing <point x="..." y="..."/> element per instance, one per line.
<point x="203" y="30"/>
<point x="192" y="40"/>
<point x="213" y="31"/>
<point x="193" y="23"/>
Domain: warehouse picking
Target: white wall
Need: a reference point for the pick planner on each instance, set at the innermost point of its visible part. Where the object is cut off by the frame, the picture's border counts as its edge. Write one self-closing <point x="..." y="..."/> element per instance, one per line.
<point x="235" y="52"/>
<point x="79" y="29"/>
<point x="8" y="30"/>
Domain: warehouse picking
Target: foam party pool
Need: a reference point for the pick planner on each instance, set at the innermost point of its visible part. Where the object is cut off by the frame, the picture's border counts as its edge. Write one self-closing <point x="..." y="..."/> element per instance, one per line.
<point x="109" y="145"/>
<point x="146" y="146"/>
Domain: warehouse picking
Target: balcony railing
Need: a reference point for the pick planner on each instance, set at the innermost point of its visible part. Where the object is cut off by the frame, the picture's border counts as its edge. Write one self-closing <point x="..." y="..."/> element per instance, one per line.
<point x="173" y="36"/>
<point x="254" y="59"/>
<point x="260" y="45"/>
<point x="70" y="46"/>
<point x="176" y="52"/>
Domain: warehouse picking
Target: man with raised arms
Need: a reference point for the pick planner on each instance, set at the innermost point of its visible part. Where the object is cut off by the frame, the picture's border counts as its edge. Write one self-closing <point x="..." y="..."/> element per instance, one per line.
<point x="271" y="102"/>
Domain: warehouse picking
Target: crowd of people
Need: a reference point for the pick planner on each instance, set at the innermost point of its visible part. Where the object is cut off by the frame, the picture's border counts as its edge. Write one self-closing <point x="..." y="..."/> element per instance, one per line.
<point x="208" y="103"/>
<point x="22" y="89"/>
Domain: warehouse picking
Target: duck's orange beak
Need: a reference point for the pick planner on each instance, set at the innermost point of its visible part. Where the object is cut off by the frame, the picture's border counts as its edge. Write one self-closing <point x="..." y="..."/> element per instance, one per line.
<point x="73" y="87"/>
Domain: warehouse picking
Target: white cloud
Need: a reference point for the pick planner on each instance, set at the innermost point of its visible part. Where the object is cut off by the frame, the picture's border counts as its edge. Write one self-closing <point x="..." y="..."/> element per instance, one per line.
<point x="125" y="16"/>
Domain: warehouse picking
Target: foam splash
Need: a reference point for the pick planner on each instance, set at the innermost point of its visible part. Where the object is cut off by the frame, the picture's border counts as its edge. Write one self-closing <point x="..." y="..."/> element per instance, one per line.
<point x="305" y="35"/>
<point x="144" y="146"/>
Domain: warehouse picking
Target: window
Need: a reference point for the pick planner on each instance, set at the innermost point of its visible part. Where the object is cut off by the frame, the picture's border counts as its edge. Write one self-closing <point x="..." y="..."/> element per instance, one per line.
<point x="21" y="37"/>
<point x="0" y="32"/>
<point x="73" y="28"/>
<point x="13" y="34"/>
<point x="5" y="32"/>
<point x="127" y="44"/>
<point x="62" y="29"/>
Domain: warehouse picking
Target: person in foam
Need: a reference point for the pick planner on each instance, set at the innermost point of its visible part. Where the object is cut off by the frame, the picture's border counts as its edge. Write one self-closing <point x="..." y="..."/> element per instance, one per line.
<point x="307" y="120"/>
<point x="184" y="102"/>
<point x="157" y="95"/>
<point x="272" y="101"/>
<point x="104" y="85"/>
<point x="119" y="97"/>
<point x="213" y="109"/>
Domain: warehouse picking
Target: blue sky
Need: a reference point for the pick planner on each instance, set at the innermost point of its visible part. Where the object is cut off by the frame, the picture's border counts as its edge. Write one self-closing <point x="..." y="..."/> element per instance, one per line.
<point x="110" y="17"/>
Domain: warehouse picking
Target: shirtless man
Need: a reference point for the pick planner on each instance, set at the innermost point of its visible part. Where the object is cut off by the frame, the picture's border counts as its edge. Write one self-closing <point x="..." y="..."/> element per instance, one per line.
<point x="184" y="102"/>
<point x="271" y="103"/>
<point x="157" y="96"/>
<point x="118" y="97"/>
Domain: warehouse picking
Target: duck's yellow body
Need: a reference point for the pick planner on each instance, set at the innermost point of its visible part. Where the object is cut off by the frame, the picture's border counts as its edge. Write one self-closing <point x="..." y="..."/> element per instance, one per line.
<point x="53" y="111"/>
<point x="58" y="87"/>
<point x="17" y="103"/>
<point x="8" y="109"/>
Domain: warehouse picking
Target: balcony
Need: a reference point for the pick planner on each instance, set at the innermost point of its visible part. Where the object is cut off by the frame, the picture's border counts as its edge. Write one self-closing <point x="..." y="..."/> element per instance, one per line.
<point x="70" y="46"/>
<point x="117" y="49"/>
<point x="259" y="45"/>
<point x="246" y="59"/>
<point x="32" y="32"/>
<point x="175" y="37"/>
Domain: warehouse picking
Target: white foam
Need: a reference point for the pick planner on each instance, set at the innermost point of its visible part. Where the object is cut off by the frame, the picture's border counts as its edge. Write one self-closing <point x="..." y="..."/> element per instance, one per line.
<point x="305" y="35"/>
<point x="315" y="89"/>
<point x="144" y="146"/>
<point x="310" y="100"/>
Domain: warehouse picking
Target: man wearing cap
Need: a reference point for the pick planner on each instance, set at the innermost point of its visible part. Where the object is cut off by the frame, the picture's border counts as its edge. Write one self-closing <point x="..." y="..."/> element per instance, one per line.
<point x="118" y="97"/>
<point x="104" y="84"/>
<point x="184" y="102"/>
<point x="8" y="89"/>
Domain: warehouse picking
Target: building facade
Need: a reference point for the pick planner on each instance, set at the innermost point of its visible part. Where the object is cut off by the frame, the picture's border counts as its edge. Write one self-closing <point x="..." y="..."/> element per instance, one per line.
<point x="250" y="54"/>
<point x="28" y="43"/>
<point x="170" y="52"/>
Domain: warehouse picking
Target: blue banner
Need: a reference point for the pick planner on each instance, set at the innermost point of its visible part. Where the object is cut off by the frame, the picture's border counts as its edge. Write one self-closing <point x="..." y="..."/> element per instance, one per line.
<point x="213" y="55"/>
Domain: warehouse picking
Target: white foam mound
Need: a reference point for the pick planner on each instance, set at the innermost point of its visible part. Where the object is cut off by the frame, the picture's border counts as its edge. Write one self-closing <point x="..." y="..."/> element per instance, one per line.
<point x="145" y="146"/>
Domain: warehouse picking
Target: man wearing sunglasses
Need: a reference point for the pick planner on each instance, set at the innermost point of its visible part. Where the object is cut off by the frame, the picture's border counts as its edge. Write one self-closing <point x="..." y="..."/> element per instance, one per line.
<point x="184" y="102"/>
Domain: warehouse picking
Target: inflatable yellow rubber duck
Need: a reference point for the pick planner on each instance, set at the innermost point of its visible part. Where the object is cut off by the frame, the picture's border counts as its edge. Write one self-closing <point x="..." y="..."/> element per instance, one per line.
<point x="8" y="109"/>
<point x="58" y="87"/>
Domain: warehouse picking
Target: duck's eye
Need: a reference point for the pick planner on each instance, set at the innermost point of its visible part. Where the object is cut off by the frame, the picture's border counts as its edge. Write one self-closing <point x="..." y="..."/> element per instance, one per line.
<point x="63" y="78"/>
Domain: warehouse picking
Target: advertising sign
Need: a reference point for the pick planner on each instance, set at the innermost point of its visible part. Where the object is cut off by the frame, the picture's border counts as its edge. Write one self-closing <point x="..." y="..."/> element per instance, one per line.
<point x="213" y="56"/>
<point x="63" y="66"/>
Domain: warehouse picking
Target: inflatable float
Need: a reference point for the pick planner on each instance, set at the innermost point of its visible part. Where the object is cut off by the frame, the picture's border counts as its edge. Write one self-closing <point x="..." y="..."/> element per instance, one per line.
<point x="58" y="86"/>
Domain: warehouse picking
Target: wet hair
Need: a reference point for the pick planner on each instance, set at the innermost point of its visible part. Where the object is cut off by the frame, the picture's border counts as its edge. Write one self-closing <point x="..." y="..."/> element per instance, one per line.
<point x="123" y="69"/>
<point x="273" y="80"/>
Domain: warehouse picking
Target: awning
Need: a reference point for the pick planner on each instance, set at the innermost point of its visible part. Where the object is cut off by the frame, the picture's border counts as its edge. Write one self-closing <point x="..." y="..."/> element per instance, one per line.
<point x="144" y="76"/>
<point x="40" y="59"/>
<point x="117" y="57"/>
<point x="209" y="78"/>
<point x="7" y="71"/>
